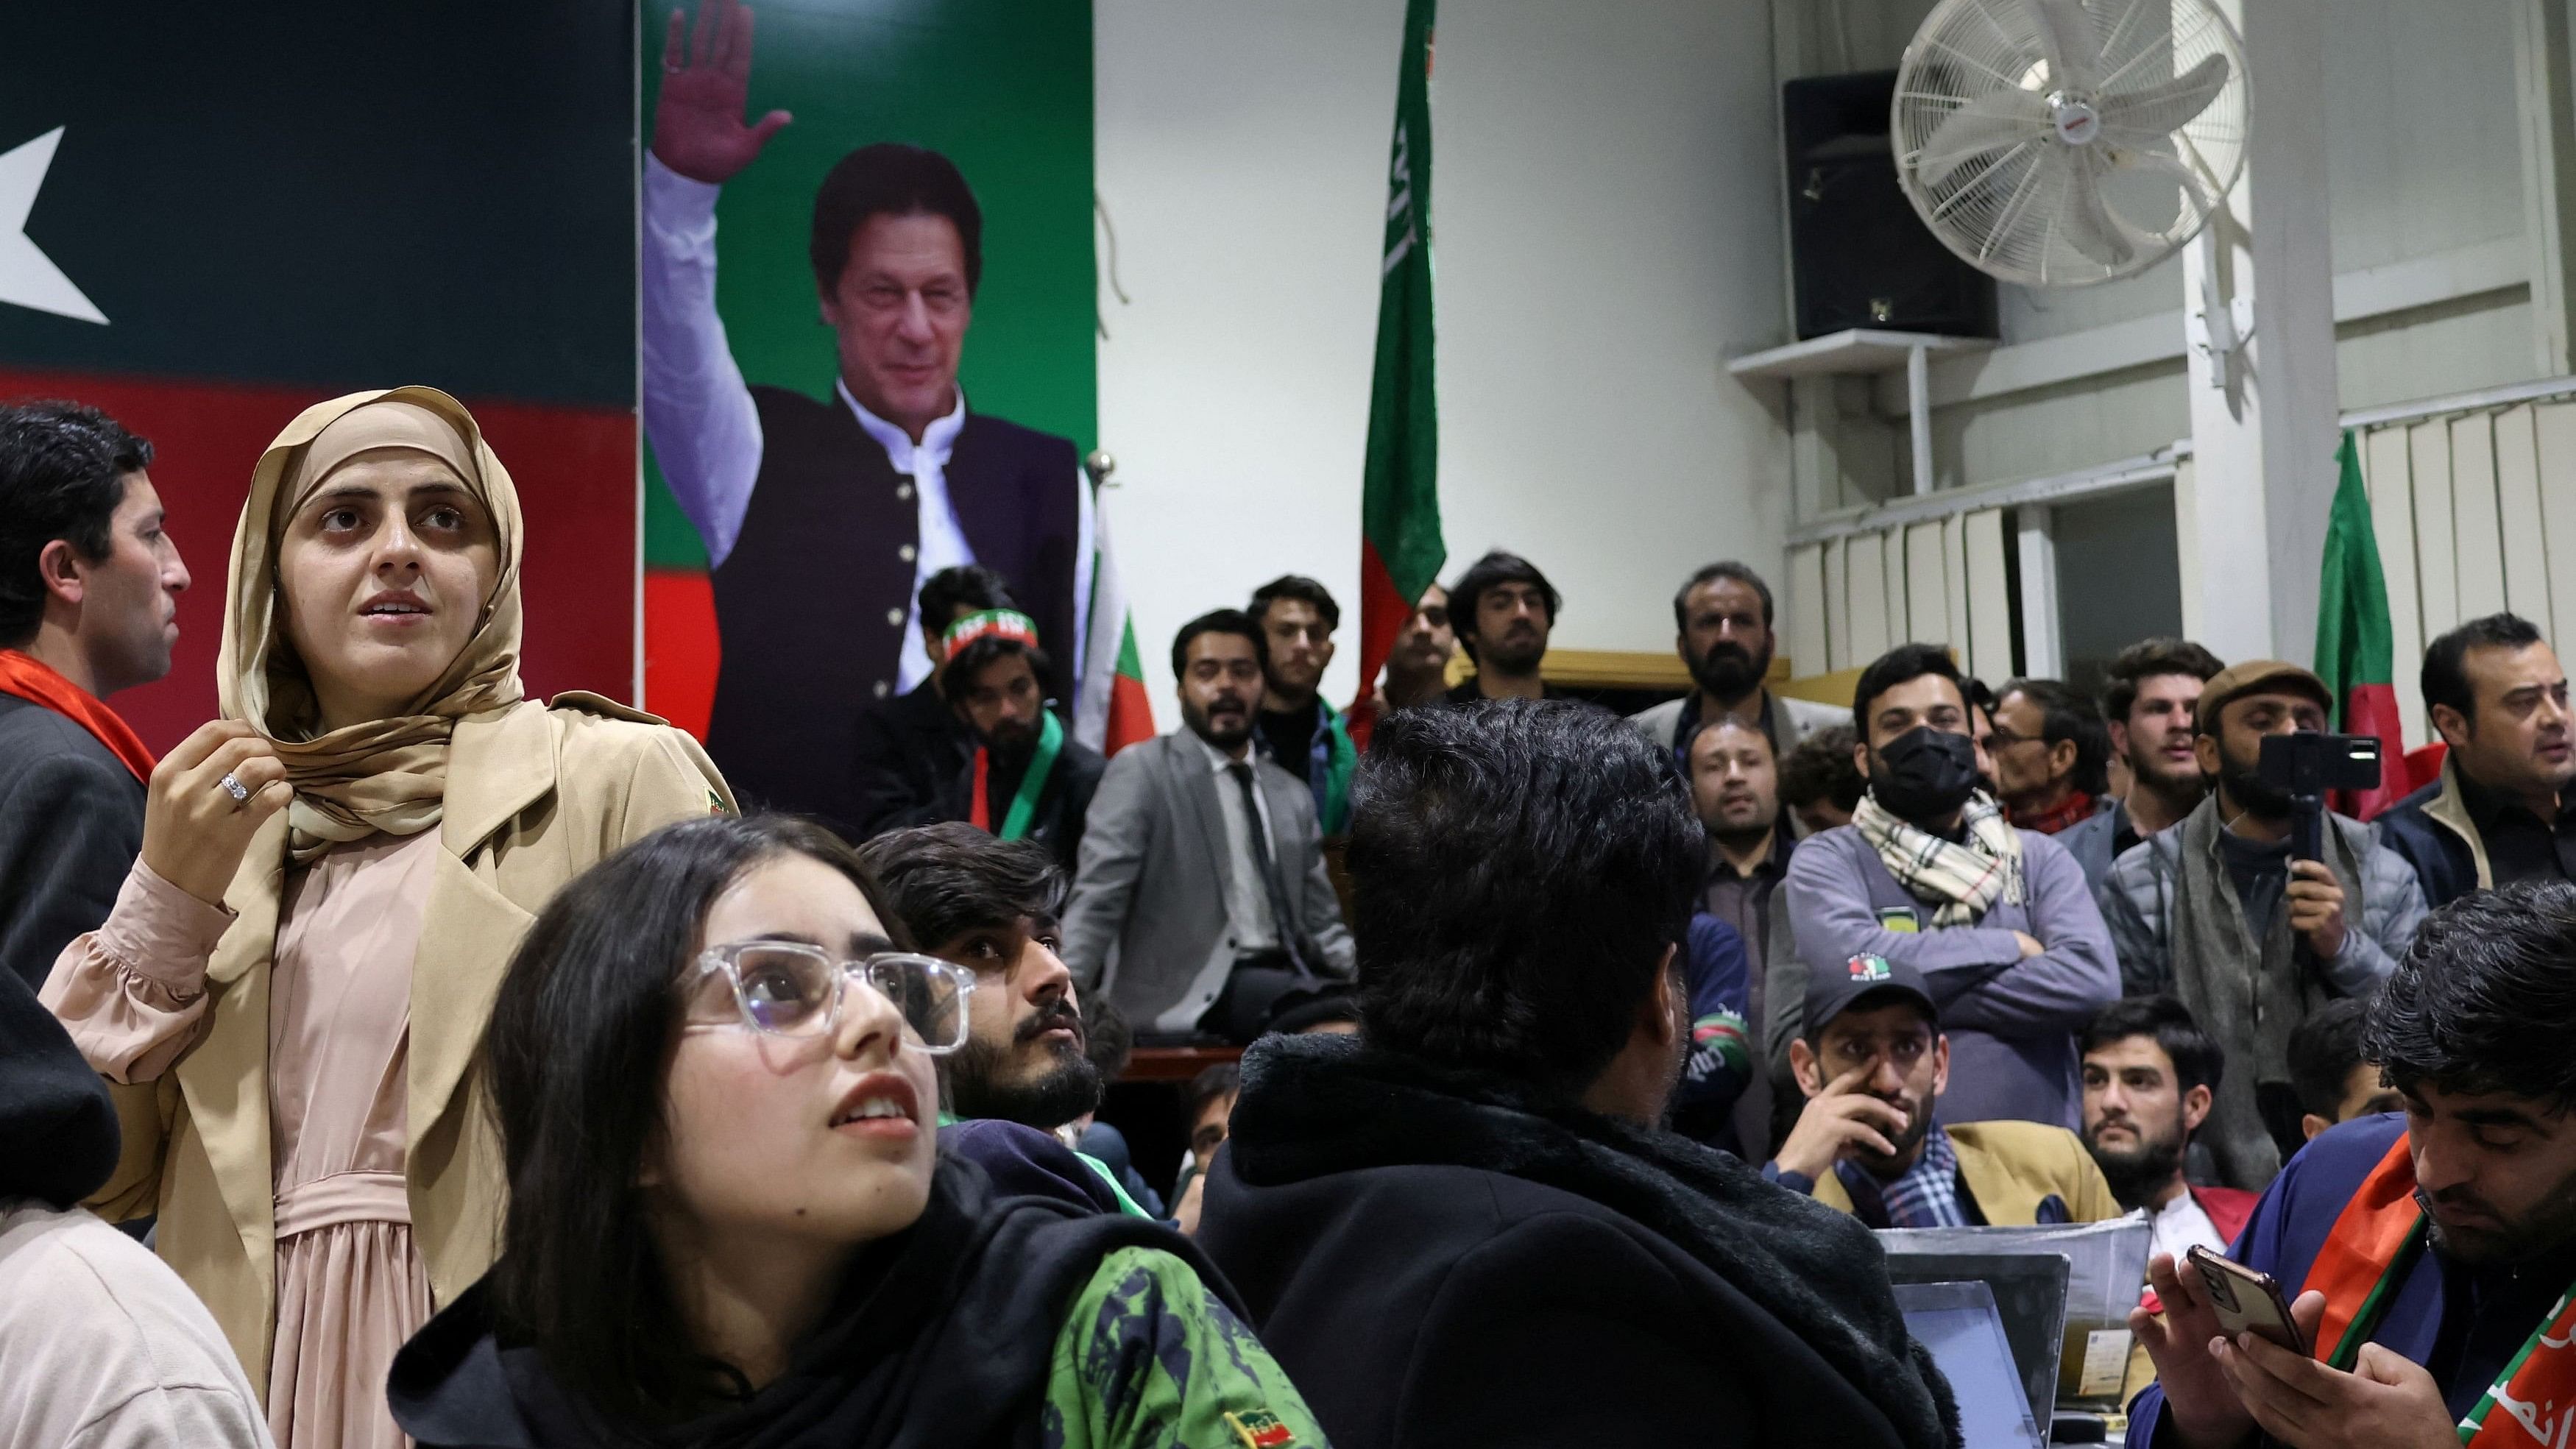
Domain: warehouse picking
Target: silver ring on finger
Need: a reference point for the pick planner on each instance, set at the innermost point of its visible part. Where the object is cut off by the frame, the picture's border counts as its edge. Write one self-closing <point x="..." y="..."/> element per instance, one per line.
<point x="235" y="788"/>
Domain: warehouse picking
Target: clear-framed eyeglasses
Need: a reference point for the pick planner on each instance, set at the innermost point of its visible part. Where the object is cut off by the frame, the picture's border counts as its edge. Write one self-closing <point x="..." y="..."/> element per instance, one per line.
<point x="790" y="989"/>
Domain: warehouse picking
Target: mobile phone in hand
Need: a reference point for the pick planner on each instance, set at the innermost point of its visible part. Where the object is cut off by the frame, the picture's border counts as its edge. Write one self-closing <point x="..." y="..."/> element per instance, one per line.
<point x="2247" y="1301"/>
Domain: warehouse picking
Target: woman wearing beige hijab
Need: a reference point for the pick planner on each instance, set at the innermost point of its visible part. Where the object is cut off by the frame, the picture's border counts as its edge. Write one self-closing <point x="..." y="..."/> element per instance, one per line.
<point x="290" y="989"/>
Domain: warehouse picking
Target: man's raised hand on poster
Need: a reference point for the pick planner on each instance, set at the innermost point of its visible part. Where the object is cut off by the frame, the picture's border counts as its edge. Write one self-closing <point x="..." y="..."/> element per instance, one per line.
<point x="698" y="129"/>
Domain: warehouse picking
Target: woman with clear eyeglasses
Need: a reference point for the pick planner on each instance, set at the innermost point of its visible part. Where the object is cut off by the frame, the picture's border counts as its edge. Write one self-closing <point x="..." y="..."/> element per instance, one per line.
<point x="714" y="1069"/>
<point x="287" y="996"/>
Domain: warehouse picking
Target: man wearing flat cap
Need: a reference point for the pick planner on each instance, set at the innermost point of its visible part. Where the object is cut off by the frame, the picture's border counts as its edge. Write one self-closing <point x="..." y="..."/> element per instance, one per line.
<point x="2214" y="911"/>
<point x="1871" y="1059"/>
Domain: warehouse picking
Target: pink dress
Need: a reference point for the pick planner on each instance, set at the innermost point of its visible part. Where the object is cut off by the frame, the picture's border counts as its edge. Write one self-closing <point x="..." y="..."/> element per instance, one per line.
<point x="350" y="1284"/>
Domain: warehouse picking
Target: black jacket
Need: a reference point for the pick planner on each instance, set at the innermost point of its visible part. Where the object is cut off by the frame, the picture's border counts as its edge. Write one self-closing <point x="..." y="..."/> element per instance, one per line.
<point x="71" y="823"/>
<point x="2428" y="830"/>
<point x="1439" y="1259"/>
<point x="1064" y="802"/>
<point x="58" y="1133"/>
<point x="910" y="749"/>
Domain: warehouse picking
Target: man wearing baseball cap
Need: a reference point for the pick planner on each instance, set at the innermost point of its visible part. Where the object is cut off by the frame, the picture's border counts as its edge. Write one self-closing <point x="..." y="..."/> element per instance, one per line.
<point x="1871" y="1060"/>
<point x="2214" y="911"/>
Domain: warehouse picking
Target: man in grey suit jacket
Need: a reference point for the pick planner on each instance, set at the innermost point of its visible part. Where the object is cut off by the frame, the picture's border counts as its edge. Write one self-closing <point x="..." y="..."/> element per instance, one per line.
<point x="1200" y="899"/>
<point x="89" y="587"/>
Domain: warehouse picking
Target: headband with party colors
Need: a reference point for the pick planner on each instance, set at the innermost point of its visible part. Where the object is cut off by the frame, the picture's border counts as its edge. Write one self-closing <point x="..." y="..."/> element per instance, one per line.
<point x="991" y="624"/>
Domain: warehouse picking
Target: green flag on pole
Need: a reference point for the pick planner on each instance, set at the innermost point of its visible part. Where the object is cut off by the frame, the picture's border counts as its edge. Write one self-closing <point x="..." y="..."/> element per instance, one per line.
<point x="1400" y="547"/>
<point x="2355" y="645"/>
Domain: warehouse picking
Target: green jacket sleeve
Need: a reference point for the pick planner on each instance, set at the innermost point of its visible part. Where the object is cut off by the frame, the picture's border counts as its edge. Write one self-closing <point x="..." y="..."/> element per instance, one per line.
<point x="1148" y="1357"/>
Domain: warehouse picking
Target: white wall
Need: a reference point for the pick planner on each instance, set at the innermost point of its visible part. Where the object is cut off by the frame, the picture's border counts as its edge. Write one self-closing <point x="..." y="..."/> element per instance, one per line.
<point x="1607" y="231"/>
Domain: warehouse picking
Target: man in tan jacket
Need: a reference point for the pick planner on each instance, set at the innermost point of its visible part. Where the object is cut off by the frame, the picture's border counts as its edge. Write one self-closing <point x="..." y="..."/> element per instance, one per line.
<point x="1871" y="1061"/>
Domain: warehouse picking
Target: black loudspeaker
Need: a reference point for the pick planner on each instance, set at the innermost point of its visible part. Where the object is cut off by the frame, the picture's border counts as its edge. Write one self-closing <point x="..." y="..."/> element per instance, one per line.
<point x="1858" y="255"/>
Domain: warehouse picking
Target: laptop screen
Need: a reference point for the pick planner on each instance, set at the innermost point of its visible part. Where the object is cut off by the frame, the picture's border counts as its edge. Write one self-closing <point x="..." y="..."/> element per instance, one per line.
<point x="1959" y="1324"/>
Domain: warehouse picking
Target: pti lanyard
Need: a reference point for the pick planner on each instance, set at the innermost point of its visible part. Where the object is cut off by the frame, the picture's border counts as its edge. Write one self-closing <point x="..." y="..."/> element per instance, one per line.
<point x="1024" y="801"/>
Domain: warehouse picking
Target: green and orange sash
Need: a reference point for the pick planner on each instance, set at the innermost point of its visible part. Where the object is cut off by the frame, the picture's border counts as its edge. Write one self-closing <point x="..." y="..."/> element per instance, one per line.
<point x="2376" y="1242"/>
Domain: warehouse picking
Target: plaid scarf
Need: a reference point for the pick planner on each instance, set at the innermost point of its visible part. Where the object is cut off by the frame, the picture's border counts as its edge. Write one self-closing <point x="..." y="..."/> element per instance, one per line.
<point x="1967" y="879"/>
<point x="1926" y="1196"/>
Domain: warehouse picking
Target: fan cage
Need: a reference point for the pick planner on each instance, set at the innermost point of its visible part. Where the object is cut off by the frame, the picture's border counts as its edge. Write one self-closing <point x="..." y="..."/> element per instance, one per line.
<point x="2003" y="210"/>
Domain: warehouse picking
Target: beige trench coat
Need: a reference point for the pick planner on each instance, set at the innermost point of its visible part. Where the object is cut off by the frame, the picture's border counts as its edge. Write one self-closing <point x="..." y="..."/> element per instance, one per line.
<point x="535" y="795"/>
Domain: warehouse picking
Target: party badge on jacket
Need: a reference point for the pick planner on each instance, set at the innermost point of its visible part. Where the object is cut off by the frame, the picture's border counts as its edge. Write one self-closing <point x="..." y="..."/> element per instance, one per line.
<point x="1900" y="919"/>
<point x="1261" y="1429"/>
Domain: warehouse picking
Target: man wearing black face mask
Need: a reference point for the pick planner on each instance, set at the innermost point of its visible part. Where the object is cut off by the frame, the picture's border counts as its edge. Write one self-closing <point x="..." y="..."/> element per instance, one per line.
<point x="2215" y="912"/>
<point x="1999" y="921"/>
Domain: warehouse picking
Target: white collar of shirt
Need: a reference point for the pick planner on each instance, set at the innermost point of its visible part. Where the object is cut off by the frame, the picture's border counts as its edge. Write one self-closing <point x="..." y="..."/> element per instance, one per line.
<point x="936" y="439"/>
<point x="1218" y="760"/>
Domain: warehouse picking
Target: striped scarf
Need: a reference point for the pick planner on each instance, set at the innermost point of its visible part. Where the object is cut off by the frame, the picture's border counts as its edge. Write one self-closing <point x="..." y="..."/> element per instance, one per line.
<point x="1967" y="879"/>
<point x="1926" y="1195"/>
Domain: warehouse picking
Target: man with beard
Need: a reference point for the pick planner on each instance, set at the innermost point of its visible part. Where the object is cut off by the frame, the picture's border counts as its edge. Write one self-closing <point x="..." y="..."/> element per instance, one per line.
<point x="1871" y="1063"/>
<point x="2148" y="707"/>
<point x="911" y="747"/>
<point x="1735" y="790"/>
<point x="1503" y="609"/>
<point x="2430" y="1253"/>
<point x="990" y="906"/>
<point x="1029" y="778"/>
<point x="2501" y="811"/>
<point x="1202" y="875"/>
<point x="2149" y="1071"/>
<point x="1296" y="729"/>
<point x="1998" y="920"/>
<point x="1722" y="621"/>
<point x="2216" y="913"/>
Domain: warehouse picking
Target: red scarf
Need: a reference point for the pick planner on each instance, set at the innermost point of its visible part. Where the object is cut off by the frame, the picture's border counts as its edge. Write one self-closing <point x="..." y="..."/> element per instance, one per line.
<point x="2074" y="810"/>
<point x="35" y="681"/>
<point x="2375" y="1243"/>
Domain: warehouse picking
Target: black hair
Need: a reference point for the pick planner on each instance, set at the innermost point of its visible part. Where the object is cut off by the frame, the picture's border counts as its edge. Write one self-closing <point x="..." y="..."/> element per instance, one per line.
<point x="2446" y="676"/>
<point x="1820" y="768"/>
<point x="891" y="179"/>
<point x="2067" y="715"/>
<point x="1519" y="870"/>
<point x="1219" y="621"/>
<point x="972" y="587"/>
<point x="2483" y="1001"/>
<point x="1899" y="665"/>
<point x="1730" y="569"/>
<point x="951" y="878"/>
<point x="2197" y="1061"/>
<point x="958" y="675"/>
<point x="62" y="475"/>
<point x="581" y="1035"/>
<point x="2145" y="660"/>
<point x="1107" y="1039"/>
<point x="2323" y="1051"/>
<point x="1216" y="1083"/>
<point x="1494" y="569"/>
<point x="1300" y="588"/>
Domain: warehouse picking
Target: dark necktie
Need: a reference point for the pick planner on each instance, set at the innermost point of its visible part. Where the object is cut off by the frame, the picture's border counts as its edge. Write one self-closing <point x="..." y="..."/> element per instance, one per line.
<point x="1271" y="885"/>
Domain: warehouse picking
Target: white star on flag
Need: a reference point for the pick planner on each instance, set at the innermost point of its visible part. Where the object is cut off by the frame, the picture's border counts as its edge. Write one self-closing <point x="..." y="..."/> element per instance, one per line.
<point x="29" y="278"/>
